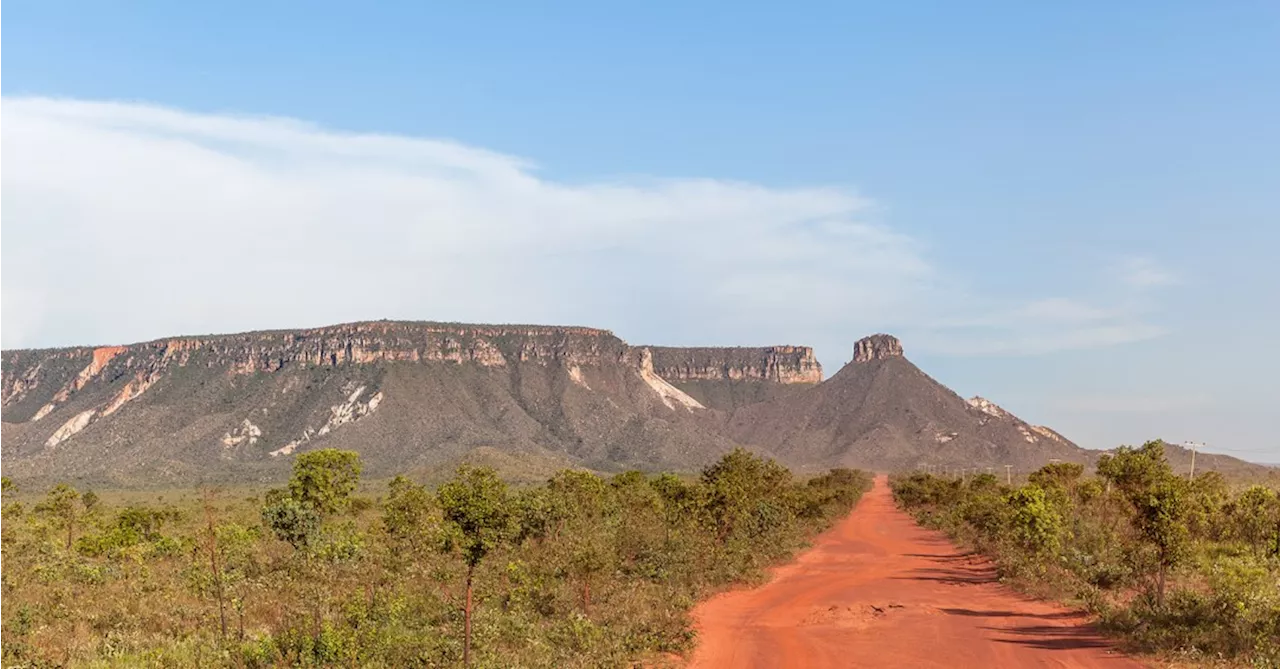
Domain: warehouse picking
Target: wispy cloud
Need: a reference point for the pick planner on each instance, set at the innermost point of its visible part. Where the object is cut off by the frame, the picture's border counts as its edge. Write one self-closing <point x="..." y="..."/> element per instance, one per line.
<point x="131" y="221"/>
<point x="1135" y="403"/>
<point x="1035" y="338"/>
<point x="1141" y="272"/>
<point x="1118" y="314"/>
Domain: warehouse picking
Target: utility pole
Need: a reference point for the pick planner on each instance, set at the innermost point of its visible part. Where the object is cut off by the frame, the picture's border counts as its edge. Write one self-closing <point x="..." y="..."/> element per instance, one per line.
<point x="1008" y="474"/>
<point x="1193" y="446"/>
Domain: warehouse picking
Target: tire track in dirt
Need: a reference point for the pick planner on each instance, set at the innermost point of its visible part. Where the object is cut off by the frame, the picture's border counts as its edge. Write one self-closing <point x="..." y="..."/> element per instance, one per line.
<point x="877" y="590"/>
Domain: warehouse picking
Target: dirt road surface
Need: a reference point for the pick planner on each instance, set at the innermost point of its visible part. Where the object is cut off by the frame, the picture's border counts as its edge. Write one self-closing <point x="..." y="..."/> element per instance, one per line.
<point x="877" y="590"/>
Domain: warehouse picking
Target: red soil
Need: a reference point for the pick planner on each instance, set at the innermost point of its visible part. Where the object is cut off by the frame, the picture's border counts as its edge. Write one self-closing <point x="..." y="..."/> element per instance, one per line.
<point x="877" y="590"/>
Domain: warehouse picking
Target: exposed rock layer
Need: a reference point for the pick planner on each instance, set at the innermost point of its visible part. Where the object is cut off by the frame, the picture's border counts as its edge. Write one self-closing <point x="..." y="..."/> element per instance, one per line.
<point x="405" y="394"/>
<point x="781" y="364"/>
<point x="877" y="347"/>
<point x="422" y="395"/>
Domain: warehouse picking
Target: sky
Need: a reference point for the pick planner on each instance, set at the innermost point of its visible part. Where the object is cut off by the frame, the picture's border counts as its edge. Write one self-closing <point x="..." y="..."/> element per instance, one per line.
<point x="1072" y="209"/>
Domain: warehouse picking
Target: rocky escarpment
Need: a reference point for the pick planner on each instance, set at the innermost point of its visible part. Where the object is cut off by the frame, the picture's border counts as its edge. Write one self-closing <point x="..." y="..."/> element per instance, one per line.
<point x="400" y="391"/>
<point x="780" y="364"/>
<point x="877" y="347"/>
<point x="881" y="411"/>
<point x="411" y="395"/>
<point x="727" y="378"/>
<point x="1031" y="433"/>
<point x="35" y="382"/>
<point x="35" y="385"/>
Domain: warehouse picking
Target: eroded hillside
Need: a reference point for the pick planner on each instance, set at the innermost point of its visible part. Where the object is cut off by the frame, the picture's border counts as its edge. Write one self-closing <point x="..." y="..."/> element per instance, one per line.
<point x="411" y="395"/>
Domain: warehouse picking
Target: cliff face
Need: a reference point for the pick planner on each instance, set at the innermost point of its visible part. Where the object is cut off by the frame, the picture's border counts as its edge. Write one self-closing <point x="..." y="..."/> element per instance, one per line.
<point x="877" y="347"/>
<point x="401" y="392"/>
<point x="424" y="395"/>
<point x="779" y="364"/>
<point x="881" y="411"/>
<point x="728" y="378"/>
<point x="34" y="382"/>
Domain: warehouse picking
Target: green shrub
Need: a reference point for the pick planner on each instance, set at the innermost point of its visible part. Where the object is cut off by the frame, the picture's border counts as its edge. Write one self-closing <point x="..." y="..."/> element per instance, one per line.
<point x="583" y="571"/>
<point x="1134" y="526"/>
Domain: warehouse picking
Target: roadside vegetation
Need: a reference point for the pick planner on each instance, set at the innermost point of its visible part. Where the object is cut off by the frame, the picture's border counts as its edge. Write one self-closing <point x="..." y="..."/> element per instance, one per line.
<point x="1185" y="568"/>
<point x="583" y="571"/>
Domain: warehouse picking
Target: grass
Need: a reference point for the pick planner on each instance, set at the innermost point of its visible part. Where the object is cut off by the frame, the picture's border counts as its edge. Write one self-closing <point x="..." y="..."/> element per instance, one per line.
<point x="186" y="578"/>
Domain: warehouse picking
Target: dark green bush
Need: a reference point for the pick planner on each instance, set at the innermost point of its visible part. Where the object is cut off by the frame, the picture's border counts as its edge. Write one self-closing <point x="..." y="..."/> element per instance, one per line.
<point x="1135" y="526"/>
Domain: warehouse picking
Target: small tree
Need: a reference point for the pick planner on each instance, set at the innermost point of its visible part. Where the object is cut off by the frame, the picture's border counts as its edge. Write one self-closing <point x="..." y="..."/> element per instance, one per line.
<point x="534" y="515"/>
<point x="737" y="483"/>
<point x="1159" y="500"/>
<point x="1162" y="521"/>
<point x="408" y="515"/>
<point x="90" y="501"/>
<point x="1062" y="475"/>
<point x="1208" y="495"/>
<point x="321" y="485"/>
<point x="62" y="506"/>
<point x="583" y="500"/>
<point x="1255" y="517"/>
<point x="476" y="505"/>
<point x="292" y="521"/>
<point x="1133" y="470"/>
<point x="639" y="512"/>
<point x="1036" y="522"/>
<point x="325" y="479"/>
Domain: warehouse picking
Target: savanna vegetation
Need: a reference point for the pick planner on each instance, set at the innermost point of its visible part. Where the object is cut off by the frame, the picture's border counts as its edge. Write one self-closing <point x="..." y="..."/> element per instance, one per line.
<point x="1182" y="567"/>
<point x="584" y="571"/>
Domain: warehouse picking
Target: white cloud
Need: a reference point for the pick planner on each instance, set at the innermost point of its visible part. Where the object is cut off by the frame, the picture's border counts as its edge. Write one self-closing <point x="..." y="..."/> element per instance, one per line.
<point x="981" y="326"/>
<point x="1036" y="338"/>
<point x="1140" y="272"/>
<point x="129" y="221"/>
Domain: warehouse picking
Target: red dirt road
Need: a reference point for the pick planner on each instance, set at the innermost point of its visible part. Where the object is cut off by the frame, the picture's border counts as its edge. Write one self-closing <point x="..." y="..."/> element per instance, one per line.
<point x="877" y="590"/>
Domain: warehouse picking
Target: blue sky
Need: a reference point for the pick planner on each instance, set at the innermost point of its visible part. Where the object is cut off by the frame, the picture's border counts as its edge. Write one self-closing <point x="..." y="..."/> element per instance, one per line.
<point x="1071" y="210"/>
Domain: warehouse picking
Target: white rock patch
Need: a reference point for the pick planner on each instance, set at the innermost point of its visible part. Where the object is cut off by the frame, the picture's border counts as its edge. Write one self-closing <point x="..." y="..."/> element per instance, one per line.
<point x="575" y="375"/>
<point x="44" y="411"/>
<point x="78" y="422"/>
<point x="986" y="406"/>
<point x="351" y="410"/>
<point x="289" y="447"/>
<point x="1046" y="433"/>
<point x="671" y="395"/>
<point x="339" y="414"/>
<point x="132" y="391"/>
<point x="247" y="432"/>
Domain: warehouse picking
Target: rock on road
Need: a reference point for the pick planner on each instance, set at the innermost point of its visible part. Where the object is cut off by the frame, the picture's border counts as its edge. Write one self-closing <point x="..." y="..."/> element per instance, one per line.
<point x="877" y="590"/>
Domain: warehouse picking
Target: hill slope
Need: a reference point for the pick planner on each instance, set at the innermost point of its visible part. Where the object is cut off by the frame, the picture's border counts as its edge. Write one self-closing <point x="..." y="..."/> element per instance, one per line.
<point x="727" y="378"/>
<point x="414" y="396"/>
<point x="403" y="394"/>
<point x="881" y="412"/>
